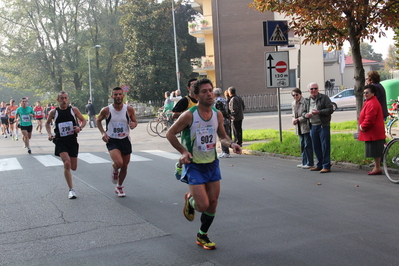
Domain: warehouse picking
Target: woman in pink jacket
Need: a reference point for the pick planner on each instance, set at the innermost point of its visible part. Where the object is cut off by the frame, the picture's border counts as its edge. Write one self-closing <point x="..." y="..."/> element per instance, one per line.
<point x="371" y="128"/>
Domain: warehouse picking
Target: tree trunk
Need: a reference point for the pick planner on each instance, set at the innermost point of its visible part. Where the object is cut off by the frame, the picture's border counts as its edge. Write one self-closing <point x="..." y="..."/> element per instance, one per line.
<point x="358" y="69"/>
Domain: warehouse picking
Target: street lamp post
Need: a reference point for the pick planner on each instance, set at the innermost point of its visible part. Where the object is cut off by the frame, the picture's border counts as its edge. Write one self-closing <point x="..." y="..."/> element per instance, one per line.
<point x="88" y="61"/>
<point x="176" y="55"/>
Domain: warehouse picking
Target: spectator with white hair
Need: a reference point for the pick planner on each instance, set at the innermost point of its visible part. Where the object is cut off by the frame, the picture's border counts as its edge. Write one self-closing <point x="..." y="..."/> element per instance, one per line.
<point x="175" y="96"/>
<point x="318" y="110"/>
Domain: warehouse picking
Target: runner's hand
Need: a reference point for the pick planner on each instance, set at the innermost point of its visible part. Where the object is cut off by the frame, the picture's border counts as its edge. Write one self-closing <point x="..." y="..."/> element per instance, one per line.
<point x="105" y="137"/>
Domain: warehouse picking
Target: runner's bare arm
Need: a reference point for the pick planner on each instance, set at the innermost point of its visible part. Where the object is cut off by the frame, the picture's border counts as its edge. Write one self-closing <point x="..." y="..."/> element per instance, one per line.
<point x="101" y="116"/>
<point x="182" y="123"/>
<point x="132" y="115"/>
<point x="79" y="115"/>
<point x="48" y="124"/>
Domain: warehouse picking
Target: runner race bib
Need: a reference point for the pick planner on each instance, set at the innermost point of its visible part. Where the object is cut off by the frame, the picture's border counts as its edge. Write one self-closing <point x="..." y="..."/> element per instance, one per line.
<point x="119" y="130"/>
<point x="66" y="129"/>
<point x="206" y="138"/>
<point x="25" y="118"/>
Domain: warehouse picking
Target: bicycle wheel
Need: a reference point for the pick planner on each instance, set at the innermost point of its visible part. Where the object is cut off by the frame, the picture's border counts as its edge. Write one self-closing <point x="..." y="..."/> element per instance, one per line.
<point x="391" y="160"/>
<point x="163" y="127"/>
<point x="389" y="125"/>
<point x="151" y="127"/>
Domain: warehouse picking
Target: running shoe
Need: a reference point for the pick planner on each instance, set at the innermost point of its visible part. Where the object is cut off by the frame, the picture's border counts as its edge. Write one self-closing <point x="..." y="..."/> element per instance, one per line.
<point x="204" y="241"/>
<point x="119" y="191"/>
<point x="29" y="151"/>
<point x="72" y="194"/>
<point x="5" y="136"/>
<point x="178" y="171"/>
<point x="188" y="210"/>
<point x="114" y="175"/>
<point x="224" y="155"/>
<point x="16" y="138"/>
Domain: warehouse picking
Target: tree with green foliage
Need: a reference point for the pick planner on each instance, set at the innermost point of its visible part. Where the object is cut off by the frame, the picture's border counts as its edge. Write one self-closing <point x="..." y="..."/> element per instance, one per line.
<point x="45" y="44"/>
<point x="367" y="52"/>
<point x="147" y="64"/>
<point x="335" y="21"/>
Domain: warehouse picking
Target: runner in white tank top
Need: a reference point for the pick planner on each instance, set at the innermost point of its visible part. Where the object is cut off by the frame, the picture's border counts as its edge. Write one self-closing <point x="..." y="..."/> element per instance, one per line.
<point x="120" y="118"/>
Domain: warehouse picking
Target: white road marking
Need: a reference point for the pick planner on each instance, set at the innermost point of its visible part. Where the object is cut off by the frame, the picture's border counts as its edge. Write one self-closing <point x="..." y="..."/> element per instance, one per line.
<point x="91" y="158"/>
<point x="9" y="164"/>
<point x="48" y="160"/>
<point x="165" y="154"/>
<point x="136" y="158"/>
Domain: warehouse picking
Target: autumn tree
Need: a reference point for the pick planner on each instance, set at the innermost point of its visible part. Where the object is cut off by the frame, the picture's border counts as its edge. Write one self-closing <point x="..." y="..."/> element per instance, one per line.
<point x="335" y="21"/>
<point x="396" y="38"/>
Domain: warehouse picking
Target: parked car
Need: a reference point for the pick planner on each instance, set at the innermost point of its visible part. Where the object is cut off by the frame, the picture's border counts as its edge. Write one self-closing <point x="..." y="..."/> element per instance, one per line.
<point x="344" y="99"/>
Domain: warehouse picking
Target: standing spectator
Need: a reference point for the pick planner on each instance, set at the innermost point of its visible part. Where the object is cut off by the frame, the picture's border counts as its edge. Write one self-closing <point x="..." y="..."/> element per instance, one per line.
<point x="318" y="110"/>
<point x="374" y="78"/>
<point x="175" y="96"/>
<point x="200" y="126"/>
<point x="91" y="113"/>
<point x="236" y="107"/>
<point x="221" y="105"/>
<point x="302" y="129"/>
<point x="66" y="131"/>
<point x="168" y="104"/>
<point x="371" y="127"/>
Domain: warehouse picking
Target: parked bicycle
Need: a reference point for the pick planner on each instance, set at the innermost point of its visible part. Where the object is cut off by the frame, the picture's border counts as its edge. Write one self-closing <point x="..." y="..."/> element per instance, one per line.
<point x="160" y="125"/>
<point x="392" y="119"/>
<point x="390" y="159"/>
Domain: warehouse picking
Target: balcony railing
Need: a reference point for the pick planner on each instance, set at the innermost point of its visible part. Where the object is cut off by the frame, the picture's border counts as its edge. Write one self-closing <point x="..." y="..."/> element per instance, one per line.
<point x="200" y="25"/>
<point x="204" y="63"/>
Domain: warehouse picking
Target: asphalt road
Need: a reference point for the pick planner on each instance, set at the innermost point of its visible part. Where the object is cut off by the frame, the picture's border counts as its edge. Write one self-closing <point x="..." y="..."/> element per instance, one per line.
<point x="269" y="212"/>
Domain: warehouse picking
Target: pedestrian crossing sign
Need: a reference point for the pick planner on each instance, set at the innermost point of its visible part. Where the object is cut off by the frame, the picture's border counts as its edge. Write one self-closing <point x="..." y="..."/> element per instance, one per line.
<point x="275" y="32"/>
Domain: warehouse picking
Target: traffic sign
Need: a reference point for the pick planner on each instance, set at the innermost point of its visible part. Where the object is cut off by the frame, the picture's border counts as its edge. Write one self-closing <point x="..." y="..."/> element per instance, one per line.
<point x="125" y="88"/>
<point x="275" y="32"/>
<point x="277" y="70"/>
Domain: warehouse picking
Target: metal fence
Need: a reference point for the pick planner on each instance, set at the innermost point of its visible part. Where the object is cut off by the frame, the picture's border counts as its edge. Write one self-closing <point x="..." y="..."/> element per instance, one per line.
<point x="253" y="102"/>
<point x="268" y="101"/>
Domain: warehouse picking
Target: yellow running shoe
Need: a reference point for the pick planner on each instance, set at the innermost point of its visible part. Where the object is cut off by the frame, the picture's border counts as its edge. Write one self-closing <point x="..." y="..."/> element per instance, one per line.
<point x="204" y="241"/>
<point x="188" y="210"/>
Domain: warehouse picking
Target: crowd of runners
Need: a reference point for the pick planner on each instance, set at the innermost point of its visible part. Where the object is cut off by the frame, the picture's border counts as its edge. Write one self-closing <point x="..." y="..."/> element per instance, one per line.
<point x="17" y="119"/>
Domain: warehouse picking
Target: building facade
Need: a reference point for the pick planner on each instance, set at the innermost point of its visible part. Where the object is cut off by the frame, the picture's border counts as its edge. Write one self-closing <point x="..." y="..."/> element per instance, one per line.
<point x="235" y="53"/>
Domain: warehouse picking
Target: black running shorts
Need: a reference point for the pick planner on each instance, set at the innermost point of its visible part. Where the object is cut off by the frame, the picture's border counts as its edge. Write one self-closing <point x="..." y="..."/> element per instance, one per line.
<point x="124" y="145"/>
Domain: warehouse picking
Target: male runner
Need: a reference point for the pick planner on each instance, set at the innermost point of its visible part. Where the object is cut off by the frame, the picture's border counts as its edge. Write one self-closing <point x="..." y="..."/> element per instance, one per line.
<point x="24" y="115"/>
<point x="10" y="111"/>
<point x="200" y="126"/>
<point x="66" y="131"/>
<point x="39" y="116"/>
<point x="120" y="118"/>
<point x="4" y="119"/>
